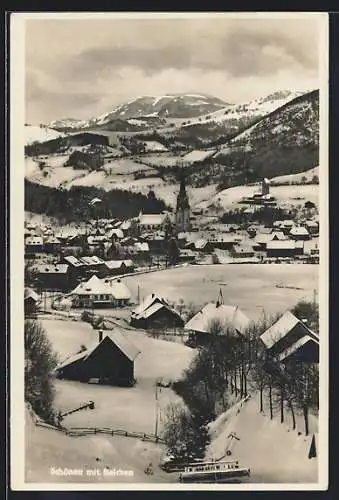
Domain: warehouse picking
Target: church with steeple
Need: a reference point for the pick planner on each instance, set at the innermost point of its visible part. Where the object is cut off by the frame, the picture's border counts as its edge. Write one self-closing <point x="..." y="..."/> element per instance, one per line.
<point x="183" y="211"/>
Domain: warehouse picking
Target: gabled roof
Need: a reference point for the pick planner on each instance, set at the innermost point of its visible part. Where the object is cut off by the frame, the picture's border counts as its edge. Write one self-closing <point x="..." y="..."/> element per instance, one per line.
<point x="296" y="346"/>
<point x="152" y="219"/>
<point x="299" y="231"/>
<point x="229" y="315"/>
<point x="92" y="260"/>
<point x="201" y="243"/>
<point x="148" y="302"/>
<point x="52" y="240"/>
<point x="114" y="337"/>
<point x="93" y="286"/>
<point x="73" y="261"/>
<point x="282" y="327"/>
<point x="31" y="294"/>
<point x="52" y="268"/>
<point x="119" y="290"/>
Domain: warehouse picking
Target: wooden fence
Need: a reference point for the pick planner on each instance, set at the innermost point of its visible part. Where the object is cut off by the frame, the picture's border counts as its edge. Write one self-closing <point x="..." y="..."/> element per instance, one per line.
<point x="85" y="431"/>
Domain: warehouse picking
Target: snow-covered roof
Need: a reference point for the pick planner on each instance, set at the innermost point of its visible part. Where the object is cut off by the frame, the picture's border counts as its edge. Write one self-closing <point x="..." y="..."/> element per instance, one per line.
<point x="152" y="219"/>
<point x="201" y="243"/>
<point x="289" y="351"/>
<point x="34" y="240"/>
<point x="143" y="247"/>
<point x="92" y="260"/>
<point x="117" y="264"/>
<point x="147" y="302"/>
<point x="281" y="328"/>
<point x="114" y="337"/>
<point x="229" y="315"/>
<point x="31" y="294"/>
<point x="119" y="290"/>
<point x="281" y="245"/>
<point x="73" y="261"/>
<point x="93" y="286"/>
<point x="52" y="268"/>
<point x="299" y="231"/>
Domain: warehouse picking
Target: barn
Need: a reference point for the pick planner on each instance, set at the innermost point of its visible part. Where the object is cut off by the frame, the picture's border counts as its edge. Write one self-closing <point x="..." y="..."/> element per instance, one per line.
<point x="155" y="312"/>
<point x="31" y="302"/>
<point x="109" y="361"/>
<point x="290" y="337"/>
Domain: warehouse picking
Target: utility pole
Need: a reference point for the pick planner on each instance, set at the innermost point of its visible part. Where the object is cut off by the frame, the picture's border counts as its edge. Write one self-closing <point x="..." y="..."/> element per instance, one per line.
<point x="156" y="410"/>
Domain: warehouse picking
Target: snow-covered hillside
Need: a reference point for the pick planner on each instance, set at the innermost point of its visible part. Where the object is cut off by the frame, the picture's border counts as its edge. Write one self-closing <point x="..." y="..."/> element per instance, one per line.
<point x="274" y="452"/>
<point x="254" y="108"/>
<point x="35" y="133"/>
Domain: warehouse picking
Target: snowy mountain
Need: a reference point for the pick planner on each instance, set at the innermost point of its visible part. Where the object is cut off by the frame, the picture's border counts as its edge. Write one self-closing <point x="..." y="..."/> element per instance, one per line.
<point x="68" y="124"/>
<point x="35" y="133"/>
<point x="148" y="107"/>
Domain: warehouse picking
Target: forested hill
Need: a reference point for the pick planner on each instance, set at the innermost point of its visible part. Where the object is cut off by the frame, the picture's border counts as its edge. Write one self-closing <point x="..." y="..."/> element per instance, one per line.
<point x="73" y="205"/>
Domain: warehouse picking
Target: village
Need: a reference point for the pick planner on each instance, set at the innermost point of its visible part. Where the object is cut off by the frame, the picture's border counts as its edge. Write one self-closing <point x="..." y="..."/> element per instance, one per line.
<point x="102" y="293"/>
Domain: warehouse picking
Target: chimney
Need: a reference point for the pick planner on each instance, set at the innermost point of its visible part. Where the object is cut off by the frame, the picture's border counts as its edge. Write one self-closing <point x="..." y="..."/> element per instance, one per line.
<point x="100" y="335"/>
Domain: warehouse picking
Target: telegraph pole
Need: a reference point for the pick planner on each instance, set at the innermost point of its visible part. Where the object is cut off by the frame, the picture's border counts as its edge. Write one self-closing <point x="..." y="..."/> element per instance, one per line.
<point x="156" y="410"/>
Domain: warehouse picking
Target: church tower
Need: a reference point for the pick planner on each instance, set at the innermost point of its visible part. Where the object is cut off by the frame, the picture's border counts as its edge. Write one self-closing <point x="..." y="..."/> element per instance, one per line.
<point x="183" y="211"/>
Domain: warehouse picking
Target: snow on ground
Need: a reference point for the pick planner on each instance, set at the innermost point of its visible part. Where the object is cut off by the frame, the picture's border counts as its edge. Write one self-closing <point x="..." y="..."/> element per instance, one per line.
<point x="56" y="176"/>
<point x="197" y="155"/>
<point x="34" y="133"/>
<point x="127" y="166"/>
<point x="274" y="452"/>
<point x="308" y="175"/>
<point x="253" y="287"/>
<point x="154" y="146"/>
<point x="132" y="409"/>
<point x="289" y="195"/>
<point x="161" y="160"/>
<point x="47" y="448"/>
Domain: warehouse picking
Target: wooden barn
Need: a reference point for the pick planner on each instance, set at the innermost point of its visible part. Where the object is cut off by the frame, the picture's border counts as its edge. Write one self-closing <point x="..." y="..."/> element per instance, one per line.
<point x="31" y="302"/>
<point x="289" y="337"/>
<point x="109" y="361"/>
<point x="155" y="313"/>
<point x="53" y="276"/>
<point x="231" y="317"/>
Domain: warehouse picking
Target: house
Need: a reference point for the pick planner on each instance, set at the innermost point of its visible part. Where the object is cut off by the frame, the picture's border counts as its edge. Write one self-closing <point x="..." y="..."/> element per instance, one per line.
<point x="242" y="251"/>
<point x="34" y="244"/>
<point x="110" y="360"/>
<point x="286" y="226"/>
<point x="229" y="316"/>
<point x="155" y="312"/>
<point x="224" y="241"/>
<point x="76" y="267"/>
<point x="52" y="245"/>
<point x="152" y="222"/>
<point x="299" y="233"/>
<point x="31" y="302"/>
<point x="53" y="276"/>
<point x="117" y="267"/>
<point x="312" y="227"/>
<point x="93" y="293"/>
<point x="289" y="337"/>
<point x="186" y="255"/>
<point x="120" y="292"/>
<point x="93" y="265"/>
<point x="280" y="249"/>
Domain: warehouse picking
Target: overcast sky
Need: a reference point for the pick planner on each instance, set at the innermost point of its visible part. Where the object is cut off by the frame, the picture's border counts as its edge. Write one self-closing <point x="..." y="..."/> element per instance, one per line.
<point x="83" y="68"/>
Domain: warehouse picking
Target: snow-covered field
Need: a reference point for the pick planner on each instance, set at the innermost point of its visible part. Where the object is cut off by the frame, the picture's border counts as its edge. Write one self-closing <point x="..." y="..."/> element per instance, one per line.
<point x="274" y="452"/>
<point x="47" y="448"/>
<point x="285" y="195"/>
<point x="253" y="287"/>
<point x="34" y="133"/>
<point x="133" y="408"/>
<point x="308" y="175"/>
